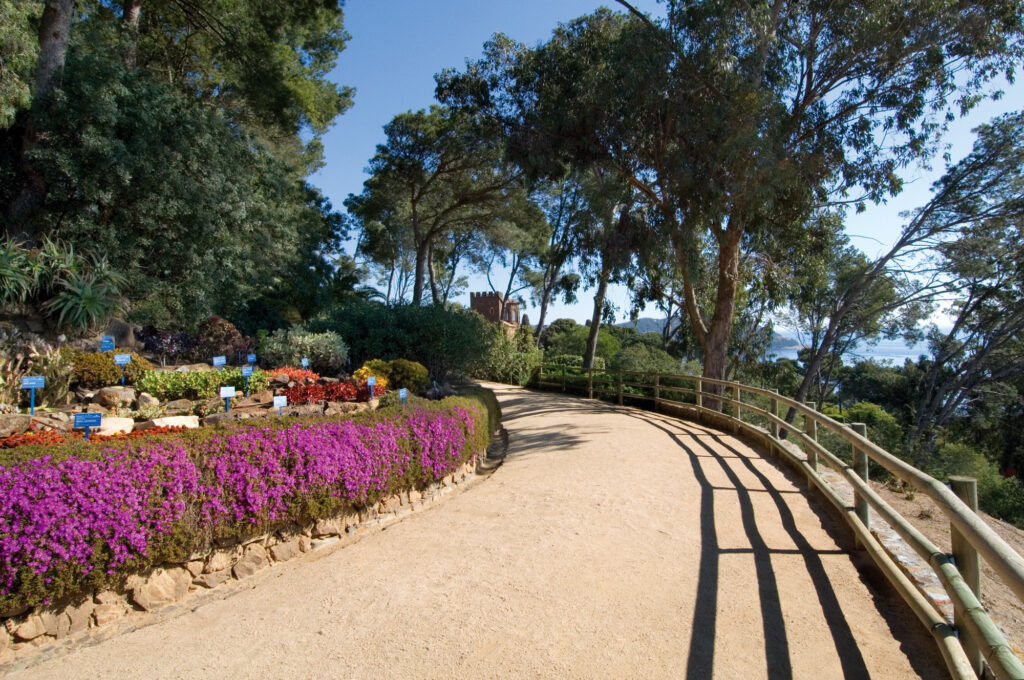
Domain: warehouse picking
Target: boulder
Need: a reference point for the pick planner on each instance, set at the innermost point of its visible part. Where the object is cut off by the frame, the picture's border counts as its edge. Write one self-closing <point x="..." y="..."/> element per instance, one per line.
<point x="115" y="396"/>
<point x="14" y="423"/>
<point x="113" y="425"/>
<point x="123" y="334"/>
<point x="280" y="380"/>
<point x="84" y="395"/>
<point x="146" y="400"/>
<point x="285" y="551"/>
<point x="222" y="560"/>
<point x="48" y="422"/>
<point x="95" y="408"/>
<point x="79" y="615"/>
<point x="337" y="408"/>
<point x="304" y="410"/>
<point x="160" y="587"/>
<point x="105" y="613"/>
<point x="56" y="623"/>
<point x="193" y="367"/>
<point x="254" y="559"/>
<point x="188" y="422"/>
<point x="29" y="629"/>
<point x="178" y="407"/>
<point x="212" y="580"/>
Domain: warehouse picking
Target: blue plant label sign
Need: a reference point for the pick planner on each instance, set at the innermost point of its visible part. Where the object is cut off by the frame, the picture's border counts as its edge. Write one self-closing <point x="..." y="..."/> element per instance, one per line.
<point x="122" y="359"/>
<point x="227" y="392"/>
<point x="251" y="358"/>
<point x="220" y="361"/>
<point x="246" y="371"/>
<point x="305" y="362"/>
<point x="402" y="394"/>
<point x="371" y="381"/>
<point x="33" y="382"/>
<point x="88" y="419"/>
<point x="107" y="343"/>
<point x="280" y="402"/>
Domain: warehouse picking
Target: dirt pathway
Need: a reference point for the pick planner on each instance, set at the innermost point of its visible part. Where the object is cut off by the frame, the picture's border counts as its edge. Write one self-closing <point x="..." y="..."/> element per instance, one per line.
<point x="611" y="543"/>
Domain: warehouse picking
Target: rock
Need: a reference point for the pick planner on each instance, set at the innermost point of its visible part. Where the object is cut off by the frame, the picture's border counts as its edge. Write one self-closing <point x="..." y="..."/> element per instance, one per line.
<point x="322" y="543"/>
<point x="105" y="613"/>
<point x="110" y="597"/>
<point x="280" y="380"/>
<point x="115" y="396"/>
<point x="14" y="423"/>
<point x="285" y="551"/>
<point x="331" y="526"/>
<point x="337" y="408"/>
<point x="305" y="543"/>
<point x="162" y="586"/>
<point x="304" y="410"/>
<point x="79" y="616"/>
<point x="146" y="400"/>
<point x="373" y="404"/>
<point x="113" y="425"/>
<point x="193" y="368"/>
<point x="178" y="405"/>
<point x="56" y="623"/>
<point x="47" y="423"/>
<point x="212" y="580"/>
<point x="188" y="422"/>
<point x="84" y="394"/>
<point x="255" y="558"/>
<point x="221" y="560"/>
<point x="195" y="567"/>
<point x="29" y="629"/>
<point x="59" y="416"/>
<point x="219" y="418"/>
<point x="95" y="408"/>
<point x="5" y="641"/>
<point x="415" y="496"/>
<point x="123" y="334"/>
<point x="258" y="399"/>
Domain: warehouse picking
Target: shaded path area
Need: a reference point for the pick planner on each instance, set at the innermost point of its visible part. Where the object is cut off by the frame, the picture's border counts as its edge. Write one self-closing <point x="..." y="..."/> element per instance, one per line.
<point x="611" y="543"/>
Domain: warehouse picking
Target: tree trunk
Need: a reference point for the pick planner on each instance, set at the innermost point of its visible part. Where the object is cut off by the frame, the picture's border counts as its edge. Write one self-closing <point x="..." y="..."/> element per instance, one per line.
<point x="595" y="322"/>
<point x="54" y="28"/>
<point x="543" y="313"/>
<point x="422" y="262"/>
<point x="435" y="293"/>
<point x="130" y="25"/>
<point x="716" y="342"/>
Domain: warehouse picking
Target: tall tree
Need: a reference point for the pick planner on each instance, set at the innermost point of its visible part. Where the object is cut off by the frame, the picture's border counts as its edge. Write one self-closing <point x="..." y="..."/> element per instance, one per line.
<point x="740" y="118"/>
<point x="438" y="173"/>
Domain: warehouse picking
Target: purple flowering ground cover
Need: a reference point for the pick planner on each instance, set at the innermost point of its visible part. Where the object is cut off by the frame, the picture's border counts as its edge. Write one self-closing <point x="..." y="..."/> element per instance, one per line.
<point x="76" y="522"/>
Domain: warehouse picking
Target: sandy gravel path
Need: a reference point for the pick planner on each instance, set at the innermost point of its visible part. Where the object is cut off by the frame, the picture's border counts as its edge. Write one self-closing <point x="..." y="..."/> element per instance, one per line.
<point x="611" y="543"/>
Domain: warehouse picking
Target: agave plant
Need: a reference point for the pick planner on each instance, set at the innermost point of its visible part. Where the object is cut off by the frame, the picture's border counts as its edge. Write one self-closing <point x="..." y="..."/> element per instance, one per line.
<point x="84" y="300"/>
<point x="16" y="276"/>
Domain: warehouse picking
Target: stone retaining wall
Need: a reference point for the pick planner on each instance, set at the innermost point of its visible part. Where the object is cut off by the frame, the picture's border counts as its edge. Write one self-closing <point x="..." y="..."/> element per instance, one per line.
<point x="143" y="595"/>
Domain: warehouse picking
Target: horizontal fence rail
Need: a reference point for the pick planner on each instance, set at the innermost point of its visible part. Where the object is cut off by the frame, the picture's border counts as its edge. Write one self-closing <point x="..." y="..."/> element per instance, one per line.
<point x="974" y="646"/>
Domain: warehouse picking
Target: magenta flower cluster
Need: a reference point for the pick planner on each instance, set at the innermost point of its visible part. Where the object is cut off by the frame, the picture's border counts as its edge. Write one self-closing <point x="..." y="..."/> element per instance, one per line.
<point x="103" y="513"/>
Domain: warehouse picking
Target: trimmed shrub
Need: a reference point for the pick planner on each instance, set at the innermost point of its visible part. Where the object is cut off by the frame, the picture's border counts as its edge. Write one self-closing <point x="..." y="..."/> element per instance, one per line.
<point x="510" y="360"/>
<point x="119" y="508"/>
<point x="573" y="361"/>
<point x="411" y="375"/>
<point x="218" y="337"/>
<point x="93" y="370"/>
<point x="327" y="352"/>
<point x="377" y="368"/>
<point x="642" y="357"/>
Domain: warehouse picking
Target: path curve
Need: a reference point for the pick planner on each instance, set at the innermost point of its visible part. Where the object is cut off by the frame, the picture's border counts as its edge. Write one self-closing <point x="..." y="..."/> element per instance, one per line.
<point x="612" y="543"/>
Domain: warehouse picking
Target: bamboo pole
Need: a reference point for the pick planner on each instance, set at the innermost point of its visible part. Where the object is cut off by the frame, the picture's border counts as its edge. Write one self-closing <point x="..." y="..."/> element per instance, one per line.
<point x="967" y="563"/>
<point x="860" y="466"/>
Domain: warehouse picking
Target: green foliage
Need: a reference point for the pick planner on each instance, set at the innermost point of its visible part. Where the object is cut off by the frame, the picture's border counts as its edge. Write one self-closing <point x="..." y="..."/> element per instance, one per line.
<point x="572" y="361"/>
<point x="883" y="428"/>
<point x="1000" y="496"/>
<point x="574" y="342"/>
<point x="510" y="360"/>
<point x="446" y="341"/>
<point x="97" y="369"/>
<point x="196" y="385"/>
<point x="17" y="361"/>
<point x="642" y="357"/>
<point x="18" y="48"/>
<point x="326" y="351"/>
<point x="411" y="375"/>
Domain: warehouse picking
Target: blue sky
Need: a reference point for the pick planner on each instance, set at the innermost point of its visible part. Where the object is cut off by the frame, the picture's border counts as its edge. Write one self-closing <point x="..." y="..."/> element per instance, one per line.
<point x="398" y="45"/>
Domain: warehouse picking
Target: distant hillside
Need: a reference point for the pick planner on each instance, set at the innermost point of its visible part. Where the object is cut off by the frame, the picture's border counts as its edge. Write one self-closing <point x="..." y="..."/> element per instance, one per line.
<point x="644" y="325"/>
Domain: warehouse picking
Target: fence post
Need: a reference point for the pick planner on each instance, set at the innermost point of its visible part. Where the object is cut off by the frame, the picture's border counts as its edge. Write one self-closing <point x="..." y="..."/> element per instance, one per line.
<point x="540" y="376"/>
<point x="590" y="383"/>
<point x="811" y="430"/>
<point x="773" y="426"/>
<point x="620" y="387"/>
<point x="699" y="384"/>
<point x="736" y="396"/>
<point x="565" y="369"/>
<point x="967" y="561"/>
<point x="657" y="391"/>
<point x="860" y="467"/>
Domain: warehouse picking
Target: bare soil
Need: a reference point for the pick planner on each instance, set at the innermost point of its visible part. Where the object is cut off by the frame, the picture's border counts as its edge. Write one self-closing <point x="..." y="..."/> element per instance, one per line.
<point x="611" y="543"/>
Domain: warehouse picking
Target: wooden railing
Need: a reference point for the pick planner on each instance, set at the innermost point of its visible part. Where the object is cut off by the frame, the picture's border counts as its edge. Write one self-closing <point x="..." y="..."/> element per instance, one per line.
<point x="974" y="646"/>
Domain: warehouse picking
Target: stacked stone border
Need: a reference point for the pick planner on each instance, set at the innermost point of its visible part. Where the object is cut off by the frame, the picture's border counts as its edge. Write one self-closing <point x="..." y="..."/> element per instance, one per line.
<point x="33" y="636"/>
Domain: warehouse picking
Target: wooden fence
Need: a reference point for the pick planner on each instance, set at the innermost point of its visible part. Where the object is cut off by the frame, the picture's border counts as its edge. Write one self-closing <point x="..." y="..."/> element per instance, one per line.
<point x="973" y="646"/>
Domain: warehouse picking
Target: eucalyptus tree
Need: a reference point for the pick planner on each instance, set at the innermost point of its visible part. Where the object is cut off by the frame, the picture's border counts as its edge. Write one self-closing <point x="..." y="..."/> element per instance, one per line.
<point x="739" y="119"/>
<point x="439" y="173"/>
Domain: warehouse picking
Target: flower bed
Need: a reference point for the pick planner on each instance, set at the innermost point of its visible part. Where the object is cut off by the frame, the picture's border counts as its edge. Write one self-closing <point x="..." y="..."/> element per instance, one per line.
<point x="35" y="437"/>
<point x="86" y="515"/>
